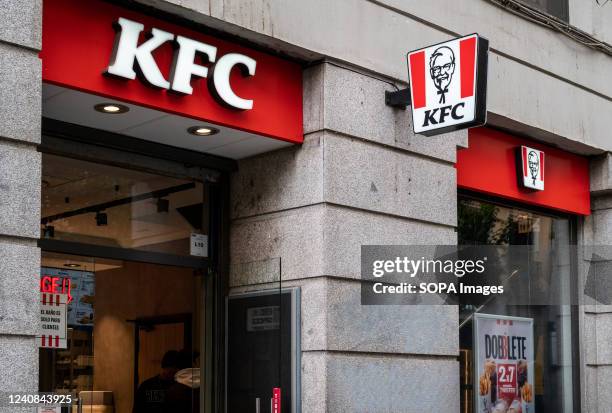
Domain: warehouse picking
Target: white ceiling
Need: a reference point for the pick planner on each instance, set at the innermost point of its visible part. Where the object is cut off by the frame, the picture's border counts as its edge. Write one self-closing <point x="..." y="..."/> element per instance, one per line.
<point x="77" y="107"/>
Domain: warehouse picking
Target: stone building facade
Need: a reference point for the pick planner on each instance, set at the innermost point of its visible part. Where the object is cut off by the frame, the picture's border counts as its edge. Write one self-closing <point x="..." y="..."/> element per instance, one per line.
<point x="360" y="177"/>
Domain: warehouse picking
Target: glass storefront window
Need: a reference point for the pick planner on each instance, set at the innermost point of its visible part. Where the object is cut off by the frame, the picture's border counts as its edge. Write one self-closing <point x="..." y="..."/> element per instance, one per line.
<point x="133" y="329"/>
<point x="135" y="326"/>
<point x="482" y="222"/>
<point x="105" y="205"/>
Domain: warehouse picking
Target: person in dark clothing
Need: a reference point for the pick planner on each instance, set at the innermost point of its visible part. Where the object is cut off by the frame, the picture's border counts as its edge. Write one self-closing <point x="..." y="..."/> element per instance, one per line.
<point x="151" y="394"/>
<point x="183" y="396"/>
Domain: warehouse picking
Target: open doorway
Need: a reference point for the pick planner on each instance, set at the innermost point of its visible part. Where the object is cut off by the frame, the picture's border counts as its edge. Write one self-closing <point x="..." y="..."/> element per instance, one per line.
<point x="133" y="328"/>
<point x="118" y="243"/>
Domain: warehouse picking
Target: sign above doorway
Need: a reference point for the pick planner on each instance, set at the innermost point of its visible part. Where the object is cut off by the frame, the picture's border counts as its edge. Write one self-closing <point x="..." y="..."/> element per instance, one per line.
<point x="127" y="53"/>
<point x="98" y="48"/>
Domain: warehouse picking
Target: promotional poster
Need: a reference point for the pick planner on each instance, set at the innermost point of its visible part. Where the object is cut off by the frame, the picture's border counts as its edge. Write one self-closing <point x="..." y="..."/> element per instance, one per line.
<point x="504" y="364"/>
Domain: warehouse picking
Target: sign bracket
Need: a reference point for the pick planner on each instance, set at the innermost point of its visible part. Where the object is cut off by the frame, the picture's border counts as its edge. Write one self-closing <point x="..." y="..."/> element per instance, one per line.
<point x="399" y="99"/>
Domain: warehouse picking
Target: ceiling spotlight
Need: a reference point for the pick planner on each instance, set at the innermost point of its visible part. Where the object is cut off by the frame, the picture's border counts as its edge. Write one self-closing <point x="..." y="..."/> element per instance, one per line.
<point x="48" y="231"/>
<point x="163" y="205"/>
<point x="72" y="265"/>
<point x="101" y="219"/>
<point x="111" y="108"/>
<point x="202" y="130"/>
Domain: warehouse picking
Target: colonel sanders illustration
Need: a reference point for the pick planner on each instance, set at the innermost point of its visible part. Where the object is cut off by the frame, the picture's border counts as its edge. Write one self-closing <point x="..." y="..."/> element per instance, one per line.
<point x="441" y="69"/>
<point x="534" y="165"/>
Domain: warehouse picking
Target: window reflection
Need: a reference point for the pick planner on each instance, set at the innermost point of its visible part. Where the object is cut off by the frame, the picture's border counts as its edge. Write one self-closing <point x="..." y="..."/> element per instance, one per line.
<point x="488" y="223"/>
<point x="105" y="205"/>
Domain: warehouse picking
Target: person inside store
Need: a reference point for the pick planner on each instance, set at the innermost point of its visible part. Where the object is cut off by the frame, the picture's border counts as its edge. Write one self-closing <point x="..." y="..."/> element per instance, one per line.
<point x="151" y="394"/>
<point x="183" y="396"/>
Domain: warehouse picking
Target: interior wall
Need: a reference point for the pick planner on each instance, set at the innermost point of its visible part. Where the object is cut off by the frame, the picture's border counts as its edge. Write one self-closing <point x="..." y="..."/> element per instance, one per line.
<point x="135" y="290"/>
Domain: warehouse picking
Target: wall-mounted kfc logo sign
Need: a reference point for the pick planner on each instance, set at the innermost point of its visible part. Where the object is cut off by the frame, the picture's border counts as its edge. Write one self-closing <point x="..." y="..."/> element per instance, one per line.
<point x="531" y="168"/>
<point x="448" y="83"/>
<point x="127" y="53"/>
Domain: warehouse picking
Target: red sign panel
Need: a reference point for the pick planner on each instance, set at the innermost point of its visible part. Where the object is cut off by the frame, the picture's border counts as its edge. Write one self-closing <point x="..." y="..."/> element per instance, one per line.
<point x="79" y="46"/>
<point x="489" y="165"/>
<point x="276" y="400"/>
<point x="506" y="381"/>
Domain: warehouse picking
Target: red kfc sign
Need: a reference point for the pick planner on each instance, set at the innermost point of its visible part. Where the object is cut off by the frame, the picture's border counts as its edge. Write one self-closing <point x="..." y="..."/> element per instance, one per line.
<point x="448" y="83"/>
<point x="101" y="48"/>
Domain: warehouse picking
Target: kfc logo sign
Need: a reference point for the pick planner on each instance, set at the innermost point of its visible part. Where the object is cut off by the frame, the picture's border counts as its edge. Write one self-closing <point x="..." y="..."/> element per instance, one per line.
<point x="127" y="53"/>
<point x="532" y="168"/>
<point x="448" y="85"/>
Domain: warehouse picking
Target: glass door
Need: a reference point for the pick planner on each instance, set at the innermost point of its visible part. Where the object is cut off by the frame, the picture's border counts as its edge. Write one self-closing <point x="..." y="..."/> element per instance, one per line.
<point x="135" y="335"/>
<point x="127" y="251"/>
<point x="260" y="357"/>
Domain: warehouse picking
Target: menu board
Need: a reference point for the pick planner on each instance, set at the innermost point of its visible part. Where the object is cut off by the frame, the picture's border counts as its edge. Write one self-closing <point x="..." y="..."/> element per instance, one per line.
<point x="504" y="363"/>
<point x="80" y="287"/>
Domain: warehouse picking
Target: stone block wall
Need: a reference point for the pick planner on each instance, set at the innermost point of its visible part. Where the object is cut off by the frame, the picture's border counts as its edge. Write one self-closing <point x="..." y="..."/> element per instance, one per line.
<point x="20" y="183"/>
<point x="361" y="177"/>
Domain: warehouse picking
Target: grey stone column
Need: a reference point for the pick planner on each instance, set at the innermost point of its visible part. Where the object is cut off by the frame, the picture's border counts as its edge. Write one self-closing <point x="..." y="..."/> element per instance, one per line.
<point x="596" y="325"/>
<point x="20" y="183"/>
<point x="361" y="177"/>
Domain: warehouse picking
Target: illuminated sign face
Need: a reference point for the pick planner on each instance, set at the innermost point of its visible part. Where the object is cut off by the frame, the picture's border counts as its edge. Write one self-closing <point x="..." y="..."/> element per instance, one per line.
<point x="127" y="53"/>
<point x="448" y="84"/>
<point x="532" y="168"/>
<point x="56" y="285"/>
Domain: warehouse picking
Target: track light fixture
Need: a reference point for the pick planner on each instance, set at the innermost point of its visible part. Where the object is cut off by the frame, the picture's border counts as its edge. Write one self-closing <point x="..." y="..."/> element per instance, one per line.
<point x="48" y="231"/>
<point x="163" y="205"/>
<point x="101" y="219"/>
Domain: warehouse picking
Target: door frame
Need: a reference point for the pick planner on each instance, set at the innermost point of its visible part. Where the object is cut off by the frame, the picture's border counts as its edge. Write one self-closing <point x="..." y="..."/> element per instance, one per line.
<point x="94" y="145"/>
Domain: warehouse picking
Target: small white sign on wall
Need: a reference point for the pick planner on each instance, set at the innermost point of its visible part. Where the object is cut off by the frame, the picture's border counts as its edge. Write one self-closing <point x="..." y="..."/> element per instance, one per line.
<point x="53" y="327"/>
<point x="263" y="318"/>
<point x="199" y="245"/>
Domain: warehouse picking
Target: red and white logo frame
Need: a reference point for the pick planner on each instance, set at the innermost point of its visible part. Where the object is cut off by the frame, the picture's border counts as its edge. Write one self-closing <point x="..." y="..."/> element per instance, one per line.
<point x="448" y="84"/>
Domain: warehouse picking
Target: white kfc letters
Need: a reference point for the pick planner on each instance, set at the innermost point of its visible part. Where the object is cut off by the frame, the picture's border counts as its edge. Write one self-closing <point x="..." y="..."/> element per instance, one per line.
<point x="127" y="52"/>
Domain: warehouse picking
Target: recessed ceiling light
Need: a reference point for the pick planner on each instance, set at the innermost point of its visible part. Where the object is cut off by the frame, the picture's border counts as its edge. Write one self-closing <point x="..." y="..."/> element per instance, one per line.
<point x="202" y="130"/>
<point x="111" y="108"/>
<point x="72" y="265"/>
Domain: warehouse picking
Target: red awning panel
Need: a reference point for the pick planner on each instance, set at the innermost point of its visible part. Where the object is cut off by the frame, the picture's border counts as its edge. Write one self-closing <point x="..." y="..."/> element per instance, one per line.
<point x="489" y="165"/>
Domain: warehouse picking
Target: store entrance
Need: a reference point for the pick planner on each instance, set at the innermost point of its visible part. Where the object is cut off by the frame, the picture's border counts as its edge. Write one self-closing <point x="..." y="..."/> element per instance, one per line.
<point x="126" y="243"/>
<point x="135" y="335"/>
